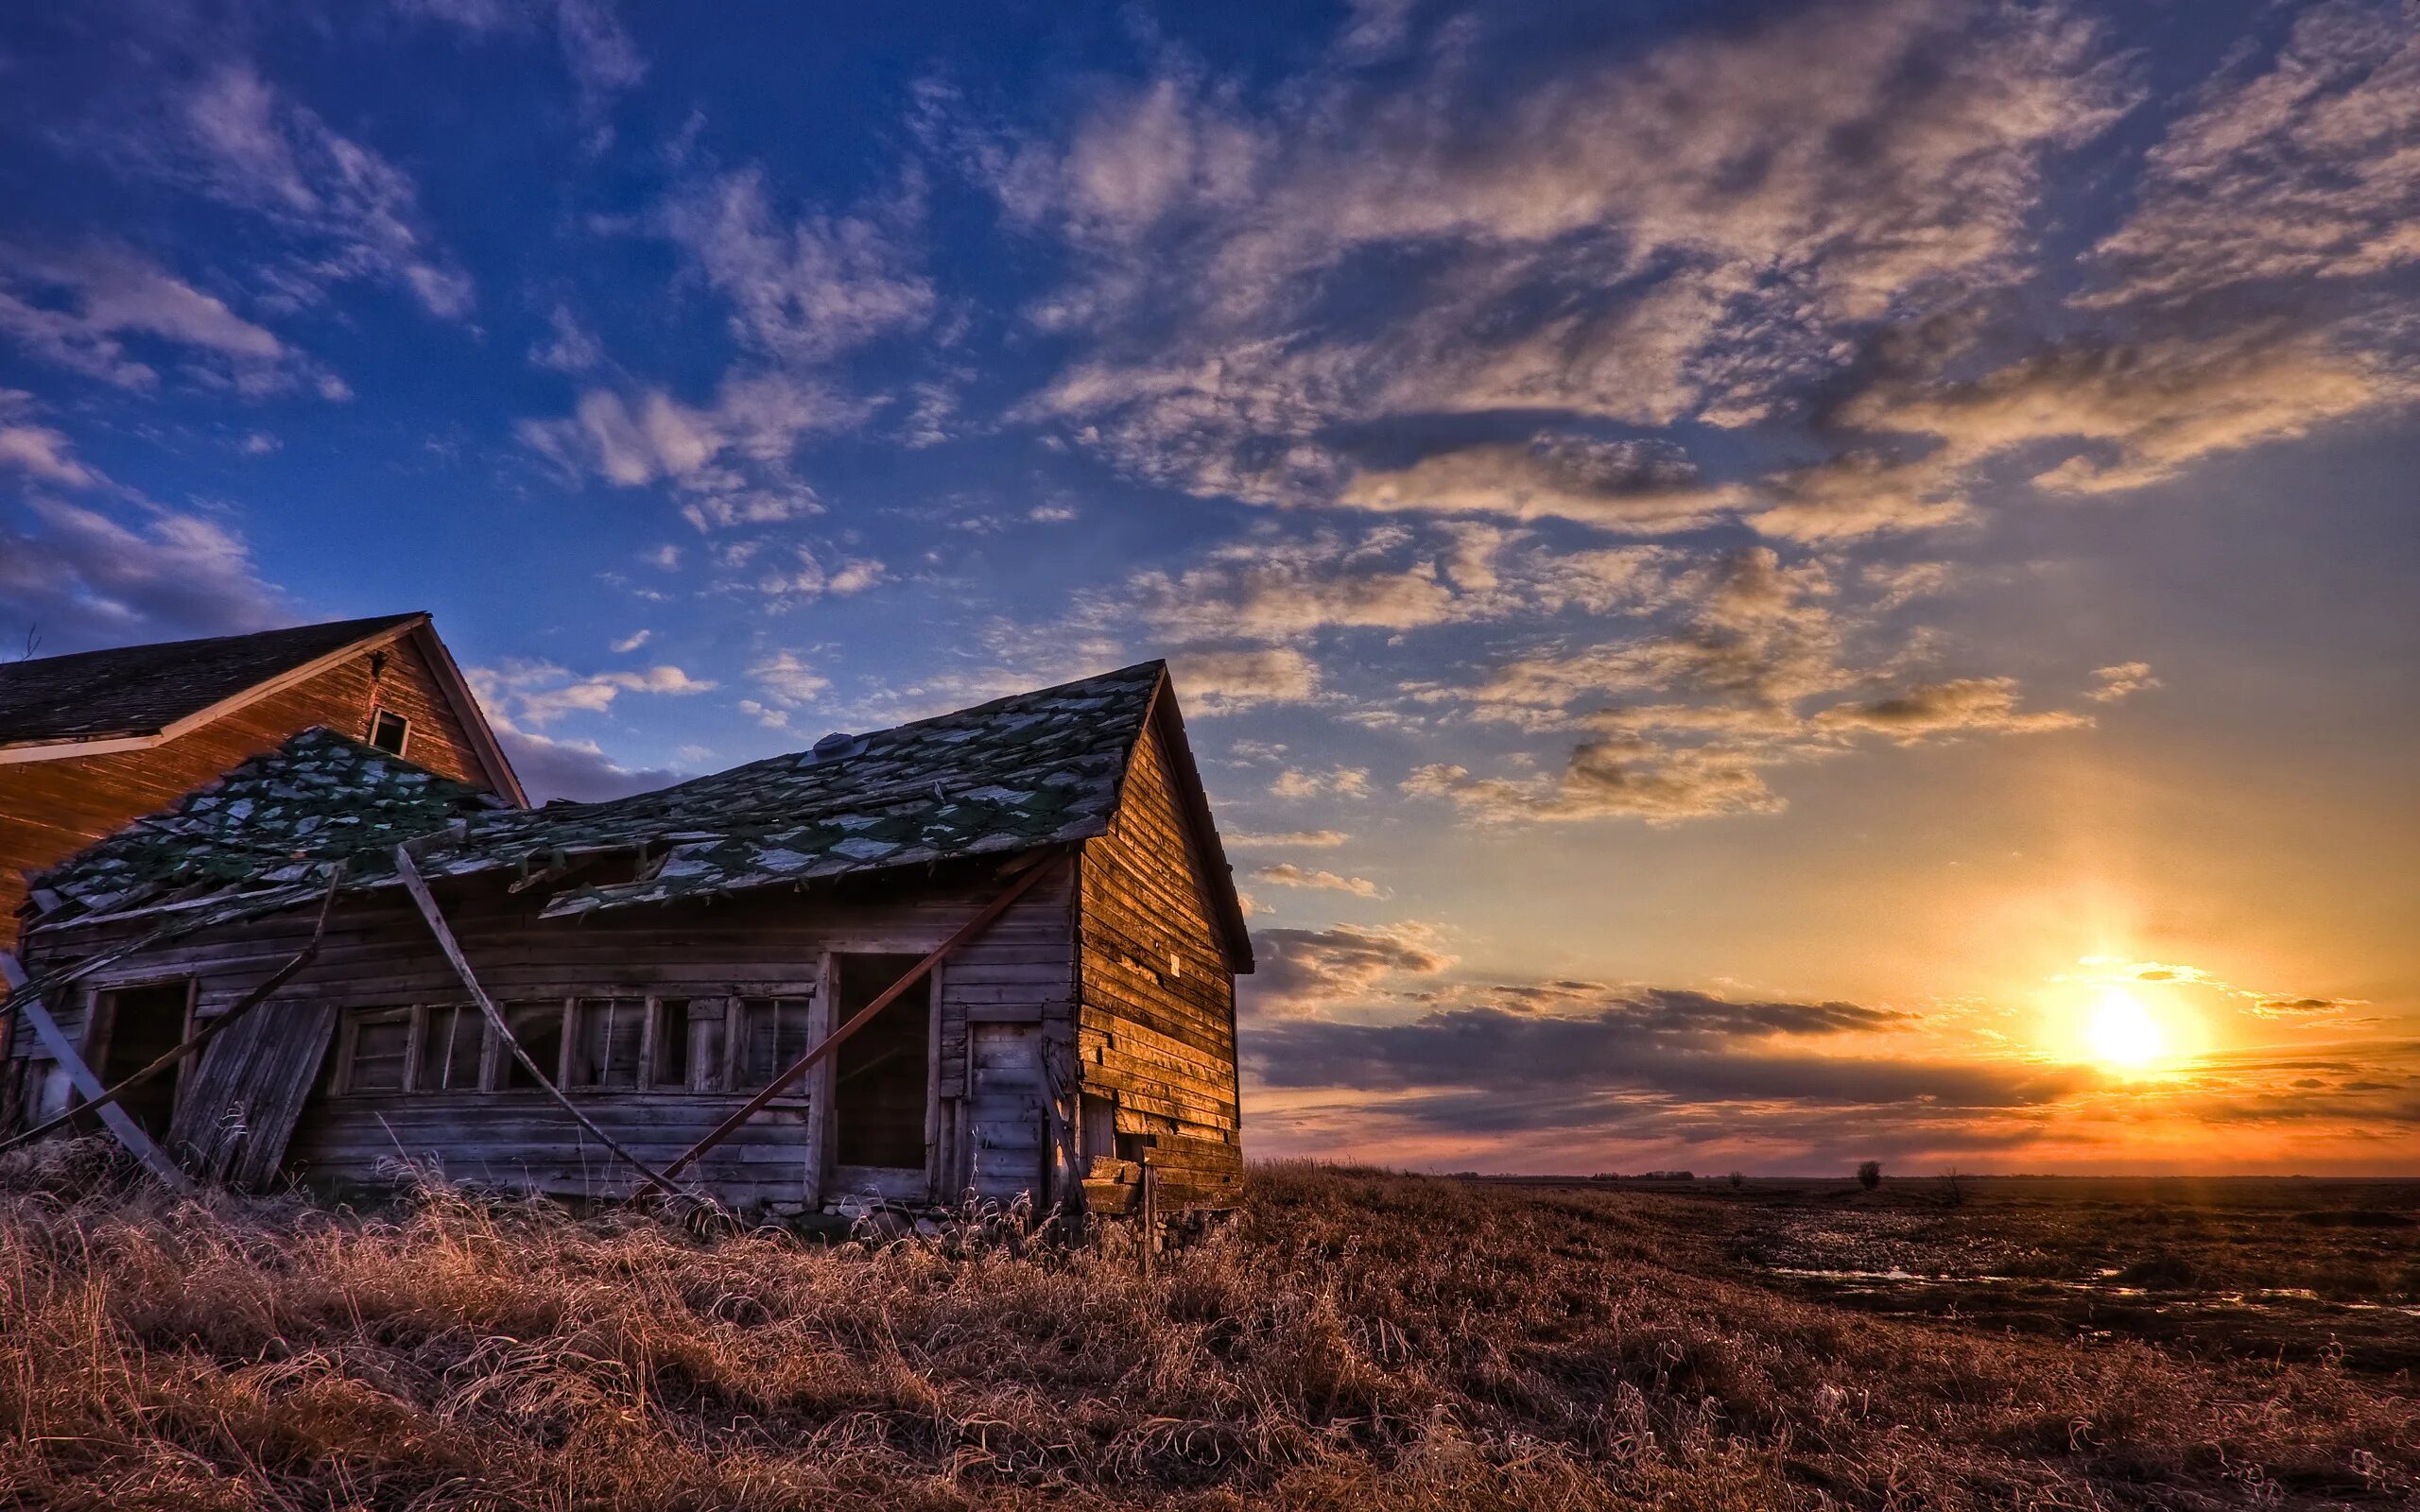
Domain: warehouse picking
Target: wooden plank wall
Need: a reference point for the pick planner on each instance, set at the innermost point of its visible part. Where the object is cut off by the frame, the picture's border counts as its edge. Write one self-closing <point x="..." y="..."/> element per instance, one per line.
<point x="50" y="810"/>
<point x="379" y="953"/>
<point x="1157" y="1028"/>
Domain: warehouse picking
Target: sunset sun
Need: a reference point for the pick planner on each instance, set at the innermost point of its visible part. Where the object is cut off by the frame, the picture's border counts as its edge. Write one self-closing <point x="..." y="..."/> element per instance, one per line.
<point x="2122" y="1034"/>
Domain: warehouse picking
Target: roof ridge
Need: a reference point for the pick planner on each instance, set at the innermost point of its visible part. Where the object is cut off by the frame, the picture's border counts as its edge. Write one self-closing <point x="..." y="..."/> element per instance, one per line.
<point x="367" y="622"/>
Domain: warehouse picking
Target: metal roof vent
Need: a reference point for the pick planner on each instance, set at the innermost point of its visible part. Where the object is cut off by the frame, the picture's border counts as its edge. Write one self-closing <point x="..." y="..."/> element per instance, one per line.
<point x="839" y="744"/>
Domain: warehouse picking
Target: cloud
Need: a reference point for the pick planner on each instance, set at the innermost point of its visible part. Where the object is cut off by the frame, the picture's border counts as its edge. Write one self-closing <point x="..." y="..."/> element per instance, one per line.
<point x="1661" y="1045"/>
<point x="2306" y="170"/>
<point x="35" y="451"/>
<point x="80" y="309"/>
<point x="2309" y="1009"/>
<point x="1305" y="970"/>
<point x="596" y="51"/>
<point x="1280" y="589"/>
<point x="788" y="685"/>
<point x="88" y="579"/>
<point x="1286" y="874"/>
<point x="570" y="347"/>
<point x="1313" y="839"/>
<point x="353" y="213"/>
<point x="576" y="770"/>
<point x="1692" y="709"/>
<point x="650" y="437"/>
<point x="1336" y="782"/>
<point x="1612" y="778"/>
<point x="1643" y="234"/>
<point x="1621" y="485"/>
<point x="2147" y="409"/>
<point x="1222" y="681"/>
<point x="807" y="291"/>
<point x="805" y="576"/>
<point x="1961" y="706"/>
<point x="520" y="690"/>
<point x="2121" y="682"/>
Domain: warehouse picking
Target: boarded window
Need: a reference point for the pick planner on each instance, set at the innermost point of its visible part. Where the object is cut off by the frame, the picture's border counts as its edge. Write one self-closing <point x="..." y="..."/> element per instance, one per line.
<point x="378" y="1051"/>
<point x="538" y="1026"/>
<point x="449" y="1049"/>
<point x="671" y="1068"/>
<point x="605" y="1049"/>
<point x="772" y="1035"/>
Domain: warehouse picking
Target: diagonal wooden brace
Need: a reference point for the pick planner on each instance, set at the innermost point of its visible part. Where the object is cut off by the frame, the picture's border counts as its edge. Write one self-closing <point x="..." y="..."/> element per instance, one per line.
<point x="105" y="1103"/>
<point x="116" y="1119"/>
<point x="864" y="1016"/>
<point x="445" y="942"/>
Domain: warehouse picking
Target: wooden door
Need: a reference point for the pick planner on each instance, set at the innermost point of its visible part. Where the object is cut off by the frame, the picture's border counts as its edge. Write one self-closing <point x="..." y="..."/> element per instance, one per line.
<point x="1004" y="1112"/>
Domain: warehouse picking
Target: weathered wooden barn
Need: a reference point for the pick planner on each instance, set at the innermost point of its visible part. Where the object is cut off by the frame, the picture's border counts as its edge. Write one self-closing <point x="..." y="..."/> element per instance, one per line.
<point x="95" y="740"/>
<point x="991" y="951"/>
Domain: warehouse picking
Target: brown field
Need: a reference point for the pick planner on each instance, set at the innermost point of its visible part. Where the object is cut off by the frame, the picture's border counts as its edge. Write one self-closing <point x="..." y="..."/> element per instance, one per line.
<point x="1351" y="1340"/>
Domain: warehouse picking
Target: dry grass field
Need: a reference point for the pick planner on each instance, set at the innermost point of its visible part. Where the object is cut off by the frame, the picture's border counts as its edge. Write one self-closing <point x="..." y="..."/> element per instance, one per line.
<point x="1352" y="1340"/>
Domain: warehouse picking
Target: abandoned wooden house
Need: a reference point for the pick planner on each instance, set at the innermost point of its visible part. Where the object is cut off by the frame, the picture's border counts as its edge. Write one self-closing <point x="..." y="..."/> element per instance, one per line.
<point x="989" y="952"/>
<point x="91" y="741"/>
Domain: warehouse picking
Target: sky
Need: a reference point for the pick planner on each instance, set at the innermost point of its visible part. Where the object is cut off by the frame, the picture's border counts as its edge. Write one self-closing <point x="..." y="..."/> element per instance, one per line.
<point x="1756" y="585"/>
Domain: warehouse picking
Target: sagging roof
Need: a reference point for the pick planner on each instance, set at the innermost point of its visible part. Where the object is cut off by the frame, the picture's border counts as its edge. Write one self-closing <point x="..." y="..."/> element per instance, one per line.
<point x="274" y="822"/>
<point x="130" y="698"/>
<point x="1035" y="769"/>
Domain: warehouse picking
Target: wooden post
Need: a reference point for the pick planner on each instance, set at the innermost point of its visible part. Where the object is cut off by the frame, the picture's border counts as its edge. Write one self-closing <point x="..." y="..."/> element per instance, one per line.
<point x="445" y="942"/>
<point x="1150" y="1215"/>
<point x="116" y="1119"/>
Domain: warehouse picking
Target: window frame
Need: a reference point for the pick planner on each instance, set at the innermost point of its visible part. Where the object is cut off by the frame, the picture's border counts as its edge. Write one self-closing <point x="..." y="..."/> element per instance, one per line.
<point x="403" y="736"/>
<point x="349" y="1043"/>
<point x="423" y="1019"/>
<point x="713" y="1024"/>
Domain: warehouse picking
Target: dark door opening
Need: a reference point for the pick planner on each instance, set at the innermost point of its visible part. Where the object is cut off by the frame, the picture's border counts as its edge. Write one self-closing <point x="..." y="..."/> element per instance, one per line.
<point x="144" y="1024"/>
<point x="880" y="1074"/>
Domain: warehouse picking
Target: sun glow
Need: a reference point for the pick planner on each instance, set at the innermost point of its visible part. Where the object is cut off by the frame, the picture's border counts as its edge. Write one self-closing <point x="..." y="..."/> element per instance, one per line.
<point x="2123" y="1034"/>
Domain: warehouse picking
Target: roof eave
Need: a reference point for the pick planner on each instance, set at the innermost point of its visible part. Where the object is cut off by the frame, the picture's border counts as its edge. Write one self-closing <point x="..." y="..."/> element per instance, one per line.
<point x="1224" y="899"/>
<point x="474" y="719"/>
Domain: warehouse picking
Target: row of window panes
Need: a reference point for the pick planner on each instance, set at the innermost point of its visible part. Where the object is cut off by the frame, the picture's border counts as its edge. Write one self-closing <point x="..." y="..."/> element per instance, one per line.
<point x="608" y="1045"/>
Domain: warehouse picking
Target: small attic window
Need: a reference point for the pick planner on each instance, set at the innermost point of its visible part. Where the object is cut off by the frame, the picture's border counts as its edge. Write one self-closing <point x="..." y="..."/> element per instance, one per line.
<point x="389" y="731"/>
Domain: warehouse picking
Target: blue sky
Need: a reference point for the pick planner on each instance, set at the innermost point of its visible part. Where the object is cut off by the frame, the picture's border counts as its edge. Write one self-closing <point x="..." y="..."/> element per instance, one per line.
<point x="1658" y="511"/>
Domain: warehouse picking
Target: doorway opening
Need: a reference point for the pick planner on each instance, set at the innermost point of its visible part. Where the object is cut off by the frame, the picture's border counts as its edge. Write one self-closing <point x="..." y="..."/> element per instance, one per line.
<point x="882" y="1073"/>
<point x="140" y="1025"/>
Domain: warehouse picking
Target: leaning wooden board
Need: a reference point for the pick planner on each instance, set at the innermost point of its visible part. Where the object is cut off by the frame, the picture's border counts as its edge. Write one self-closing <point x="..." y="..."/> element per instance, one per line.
<point x="241" y="1104"/>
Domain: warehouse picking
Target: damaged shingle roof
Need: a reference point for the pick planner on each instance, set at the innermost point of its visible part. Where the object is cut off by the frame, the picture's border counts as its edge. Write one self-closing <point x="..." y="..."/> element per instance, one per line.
<point x="272" y="821"/>
<point x="141" y="690"/>
<point x="1038" y="769"/>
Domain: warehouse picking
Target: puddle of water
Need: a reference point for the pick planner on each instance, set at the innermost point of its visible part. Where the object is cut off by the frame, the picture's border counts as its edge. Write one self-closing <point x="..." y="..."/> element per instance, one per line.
<point x="2261" y="1297"/>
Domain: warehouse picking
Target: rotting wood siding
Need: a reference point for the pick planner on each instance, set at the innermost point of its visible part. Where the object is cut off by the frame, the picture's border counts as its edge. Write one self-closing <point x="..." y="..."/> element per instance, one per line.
<point x="1156" y="1031"/>
<point x="50" y="810"/>
<point x="379" y="953"/>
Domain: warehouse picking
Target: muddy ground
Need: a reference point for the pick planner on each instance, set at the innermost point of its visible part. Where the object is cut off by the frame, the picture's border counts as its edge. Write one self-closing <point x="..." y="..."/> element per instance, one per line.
<point x="2247" y="1267"/>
